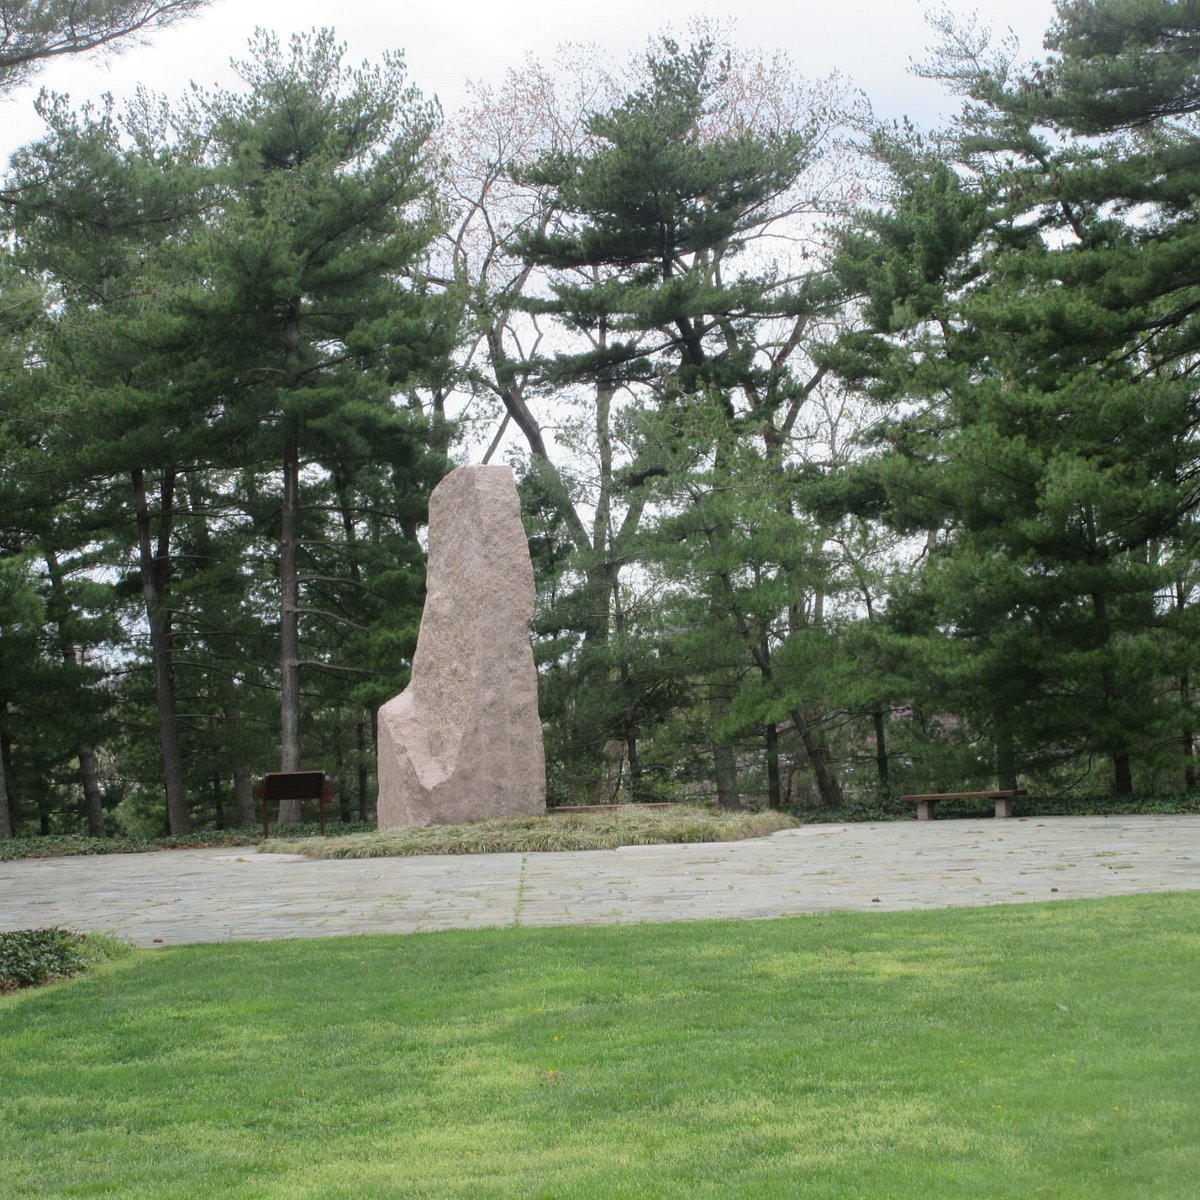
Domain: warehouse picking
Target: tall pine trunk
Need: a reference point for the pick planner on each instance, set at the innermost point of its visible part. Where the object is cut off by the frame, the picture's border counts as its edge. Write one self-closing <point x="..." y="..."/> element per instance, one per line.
<point x="819" y="759"/>
<point x="604" y="753"/>
<point x="1006" y="752"/>
<point x="362" y="767"/>
<point x="774" y="790"/>
<point x="85" y="755"/>
<point x="93" y="797"/>
<point x="1188" y="737"/>
<point x="289" y="625"/>
<point x="218" y="799"/>
<point x="1188" y="734"/>
<point x="364" y="770"/>
<point x="771" y="738"/>
<point x="155" y="567"/>
<point x="630" y="725"/>
<point x="289" y="582"/>
<point x="243" y="788"/>
<point x="815" y="746"/>
<point x="1121" y="758"/>
<point x="881" y="751"/>
<point x="724" y="759"/>
<point x="6" y="821"/>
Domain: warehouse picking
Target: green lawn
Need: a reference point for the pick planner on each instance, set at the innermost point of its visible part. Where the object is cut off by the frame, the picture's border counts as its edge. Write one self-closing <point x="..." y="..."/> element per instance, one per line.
<point x="1022" y="1051"/>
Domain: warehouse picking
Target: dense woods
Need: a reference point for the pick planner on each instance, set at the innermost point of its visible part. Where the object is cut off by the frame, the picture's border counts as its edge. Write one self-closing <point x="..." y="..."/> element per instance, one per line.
<point x="855" y="459"/>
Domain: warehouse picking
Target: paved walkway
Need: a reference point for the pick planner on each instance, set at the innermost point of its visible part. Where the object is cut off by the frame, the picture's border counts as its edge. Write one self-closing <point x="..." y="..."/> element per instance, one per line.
<point x="176" y="896"/>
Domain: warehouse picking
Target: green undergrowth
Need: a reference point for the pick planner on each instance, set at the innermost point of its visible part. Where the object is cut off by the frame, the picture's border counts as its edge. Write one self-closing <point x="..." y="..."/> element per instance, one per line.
<point x="32" y="957"/>
<point x="70" y="844"/>
<point x="895" y="809"/>
<point x="621" y="825"/>
<point x="998" y="1053"/>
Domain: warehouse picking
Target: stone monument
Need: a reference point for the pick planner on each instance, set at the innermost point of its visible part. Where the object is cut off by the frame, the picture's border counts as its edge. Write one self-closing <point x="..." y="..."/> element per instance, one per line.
<point x="463" y="741"/>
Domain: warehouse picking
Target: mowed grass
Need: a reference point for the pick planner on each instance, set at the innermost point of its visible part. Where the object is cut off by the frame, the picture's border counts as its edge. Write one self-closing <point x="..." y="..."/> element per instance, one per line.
<point x="616" y="825"/>
<point x="1019" y="1051"/>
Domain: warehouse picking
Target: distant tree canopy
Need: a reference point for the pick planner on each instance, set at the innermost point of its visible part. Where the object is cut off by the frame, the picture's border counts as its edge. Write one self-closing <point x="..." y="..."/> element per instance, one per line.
<point x="216" y="422"/>
<point x="1030" y="298"/>
<point x="855" y="460"/>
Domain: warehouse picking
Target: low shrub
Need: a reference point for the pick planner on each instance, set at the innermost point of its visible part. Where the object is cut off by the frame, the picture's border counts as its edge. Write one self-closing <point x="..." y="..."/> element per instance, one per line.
<point x="31" y="957"/>
<point x="892" y="808"/>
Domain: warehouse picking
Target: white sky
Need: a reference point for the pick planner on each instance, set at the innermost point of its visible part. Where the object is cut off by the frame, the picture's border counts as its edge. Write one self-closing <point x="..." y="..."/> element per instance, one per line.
<point x="448" y="42"/>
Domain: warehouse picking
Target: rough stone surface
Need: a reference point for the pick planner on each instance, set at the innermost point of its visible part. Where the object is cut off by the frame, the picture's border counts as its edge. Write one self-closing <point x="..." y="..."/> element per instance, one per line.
<point x="175" y="896"/>
<point x="463" y="741"/>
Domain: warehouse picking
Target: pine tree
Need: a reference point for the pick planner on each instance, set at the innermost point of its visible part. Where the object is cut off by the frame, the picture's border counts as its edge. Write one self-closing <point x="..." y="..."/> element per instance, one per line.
<point x="22" y="614"/>
<point x="1032" y="320"/>
<point x="33" y="35"/>
<point x="122" y="405"/>
<point x="654" y="219"/>
<point x="307" y="290"/>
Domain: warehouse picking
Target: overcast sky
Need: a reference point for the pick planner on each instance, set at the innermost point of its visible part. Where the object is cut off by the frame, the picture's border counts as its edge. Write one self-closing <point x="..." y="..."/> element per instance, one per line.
<point x="448" y="42"/>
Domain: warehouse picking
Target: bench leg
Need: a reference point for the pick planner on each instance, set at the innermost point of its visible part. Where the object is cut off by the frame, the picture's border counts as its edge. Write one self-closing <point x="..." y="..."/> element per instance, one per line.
<point x="326" y="794"/>
<point x="259" y="794"/>
<point x="924" y="810"/>
<point x="1004" y="807"/>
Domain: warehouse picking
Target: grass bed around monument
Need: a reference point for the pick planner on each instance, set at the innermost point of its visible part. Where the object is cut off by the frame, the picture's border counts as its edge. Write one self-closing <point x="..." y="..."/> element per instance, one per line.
<point x="618" y="825"/>
<point x="1004" y="1052"/>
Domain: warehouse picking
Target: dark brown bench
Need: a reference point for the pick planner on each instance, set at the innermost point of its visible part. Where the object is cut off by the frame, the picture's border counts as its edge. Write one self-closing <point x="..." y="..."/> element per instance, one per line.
<point x="294" y="785"/>
<point x="926" y="802"/>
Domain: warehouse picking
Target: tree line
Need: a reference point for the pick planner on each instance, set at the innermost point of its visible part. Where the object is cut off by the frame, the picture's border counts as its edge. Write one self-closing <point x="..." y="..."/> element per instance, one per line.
<point x="854" y="459"/>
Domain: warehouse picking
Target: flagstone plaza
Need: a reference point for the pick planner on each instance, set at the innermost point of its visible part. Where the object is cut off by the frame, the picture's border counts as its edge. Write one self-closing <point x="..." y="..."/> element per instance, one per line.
<point x="177" y="896"/>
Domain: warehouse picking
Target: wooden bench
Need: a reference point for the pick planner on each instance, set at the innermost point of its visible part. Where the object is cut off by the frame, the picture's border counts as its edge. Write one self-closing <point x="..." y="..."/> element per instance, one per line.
<point x="294" y="785"/>
<point x="926" y="802"/>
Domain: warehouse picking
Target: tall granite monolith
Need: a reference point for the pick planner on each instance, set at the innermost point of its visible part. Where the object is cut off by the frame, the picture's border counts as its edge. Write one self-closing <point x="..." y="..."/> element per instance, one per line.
<point x="463" y="741"/>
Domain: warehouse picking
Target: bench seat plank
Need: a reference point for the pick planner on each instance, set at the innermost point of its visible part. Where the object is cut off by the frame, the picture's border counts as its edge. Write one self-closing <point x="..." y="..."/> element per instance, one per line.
<point x="997" y="795"/>
<point x="294" y="785"/>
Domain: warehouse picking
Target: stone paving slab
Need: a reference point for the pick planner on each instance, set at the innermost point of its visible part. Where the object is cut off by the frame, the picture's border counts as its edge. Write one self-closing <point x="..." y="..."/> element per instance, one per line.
<point x="177" y="896"/>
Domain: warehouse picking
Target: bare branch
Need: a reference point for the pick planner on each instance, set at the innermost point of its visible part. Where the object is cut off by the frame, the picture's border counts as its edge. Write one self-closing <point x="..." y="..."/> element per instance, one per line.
<point x="30" y="34"/>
